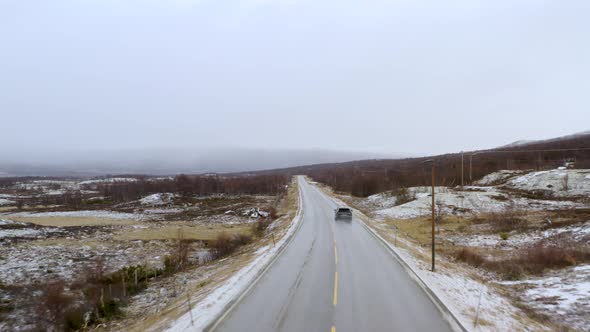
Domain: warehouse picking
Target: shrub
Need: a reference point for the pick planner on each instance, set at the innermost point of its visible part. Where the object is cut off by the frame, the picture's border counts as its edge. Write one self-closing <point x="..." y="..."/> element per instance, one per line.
<point x="504" y="236"/>
<point x="222" y="245"/>
<point x="177" y="259"/>
<point x="226" y="244"/>
<point x="512" y="271"/>
<point x="242" y="239"/>
<point x="537" y="259"/>
<point x="470" y="257"/>
<point x="507" y="221"/>
<point x="403" y="196"/>
<point x="54" y="304"/>
<point x="260" y="226"/>
<point x="272" y="213"/>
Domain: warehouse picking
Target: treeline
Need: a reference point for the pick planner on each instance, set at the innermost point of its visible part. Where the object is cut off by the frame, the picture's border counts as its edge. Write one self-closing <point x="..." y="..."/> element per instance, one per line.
<point x="367" y="177"/>
<point x="196" y="185"/>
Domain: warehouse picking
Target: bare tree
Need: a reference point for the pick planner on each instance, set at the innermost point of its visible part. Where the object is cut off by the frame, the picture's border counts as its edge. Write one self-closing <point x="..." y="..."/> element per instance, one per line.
<point x="565" y="182"/>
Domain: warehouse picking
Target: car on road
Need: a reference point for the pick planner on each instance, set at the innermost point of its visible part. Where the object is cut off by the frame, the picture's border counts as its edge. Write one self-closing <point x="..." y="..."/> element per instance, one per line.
<point x="343" y="213"/>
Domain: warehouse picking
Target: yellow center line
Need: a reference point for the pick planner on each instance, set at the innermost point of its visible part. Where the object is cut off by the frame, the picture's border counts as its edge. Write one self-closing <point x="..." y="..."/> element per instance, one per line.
<point x="333" y="329"/>
<point x="336" y="254"/>
<point x="336" y="288"/>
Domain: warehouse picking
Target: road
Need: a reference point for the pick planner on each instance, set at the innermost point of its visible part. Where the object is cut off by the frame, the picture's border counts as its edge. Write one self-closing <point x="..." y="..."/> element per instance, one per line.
<point x="334" y="276"/>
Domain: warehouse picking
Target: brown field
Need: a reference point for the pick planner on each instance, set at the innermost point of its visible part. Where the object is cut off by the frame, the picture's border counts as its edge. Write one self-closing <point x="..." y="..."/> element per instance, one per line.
<point x="196" y="232"/>
<point x="75" y="221"/>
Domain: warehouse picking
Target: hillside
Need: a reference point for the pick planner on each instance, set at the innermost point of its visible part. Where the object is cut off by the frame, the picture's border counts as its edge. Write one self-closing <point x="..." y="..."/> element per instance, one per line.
<point x="366" y="177"/>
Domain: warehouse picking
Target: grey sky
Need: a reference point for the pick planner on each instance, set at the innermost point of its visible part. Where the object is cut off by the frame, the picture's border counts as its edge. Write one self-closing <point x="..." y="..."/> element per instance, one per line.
<point x="383" y="76"/>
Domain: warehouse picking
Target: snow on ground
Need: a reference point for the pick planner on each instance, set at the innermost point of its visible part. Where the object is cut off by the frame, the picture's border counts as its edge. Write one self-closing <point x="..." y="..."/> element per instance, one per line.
<point x="386" y="200"/>
<point x="565" y="294"/>
<point x="211" y="306"/>
<point x="462" y="202"/>
<point x="29" y="263"/>
<point x="107" y="180"/>
<point x="4" y="222"/>
<point x="382" y="200"/>
<point x="91" y="213"/>
<point x="27" y="232"/>
<point x="498" y="177"/>
<point x="157" y="199"/>
<point x="163" y="211"/>
<point x="560" y="182"/>
<point x="6" y="202"/>
<point x="47" y="184"/>
<point x="520" y="240"/>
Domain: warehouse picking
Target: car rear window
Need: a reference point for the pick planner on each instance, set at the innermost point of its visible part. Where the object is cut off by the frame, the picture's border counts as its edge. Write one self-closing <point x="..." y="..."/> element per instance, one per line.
<point x="343" y="210"/>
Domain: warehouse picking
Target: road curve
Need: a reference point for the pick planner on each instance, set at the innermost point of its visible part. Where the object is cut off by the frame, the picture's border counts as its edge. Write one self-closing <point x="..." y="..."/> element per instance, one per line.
<point x="334" y="276"/>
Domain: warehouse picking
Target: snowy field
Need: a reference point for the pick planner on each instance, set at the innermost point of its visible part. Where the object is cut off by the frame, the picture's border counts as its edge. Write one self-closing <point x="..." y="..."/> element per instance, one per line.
<point x="564" y="293"/>
<point x="43" y="239"/>
<point x="570" y="186"/>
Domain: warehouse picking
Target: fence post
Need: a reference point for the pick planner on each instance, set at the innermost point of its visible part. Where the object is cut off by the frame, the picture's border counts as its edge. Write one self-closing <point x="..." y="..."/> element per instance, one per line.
<point x="190" y="309"/>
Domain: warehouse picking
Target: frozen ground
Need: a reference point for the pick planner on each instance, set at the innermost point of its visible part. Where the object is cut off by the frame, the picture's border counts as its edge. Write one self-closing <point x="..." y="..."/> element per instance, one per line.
<point x="464" y="294"/>
<point x="559" y="182"/>
<point x="106" y="180"/>
<point x="157" y="199"/>
<point x="565" y="294"/>
<point x="27" y="233"/>
<point x="575" y="233"/>
<point x="90" y="213"/>
<point x="489" y="199"/>
<point x="4" y="201"/>
<point x="498" y="177"/>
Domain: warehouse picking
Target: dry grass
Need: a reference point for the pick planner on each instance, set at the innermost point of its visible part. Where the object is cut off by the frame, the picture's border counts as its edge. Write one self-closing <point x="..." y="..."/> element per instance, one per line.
<point x="420" y="229"/>
<point x="525" y="261"/>
<point x="75" y="221"/>
<point x="196" y="232"/>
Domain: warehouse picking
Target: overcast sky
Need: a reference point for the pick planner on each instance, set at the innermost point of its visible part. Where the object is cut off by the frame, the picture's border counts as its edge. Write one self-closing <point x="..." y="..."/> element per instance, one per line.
<point x="383" y="76"/>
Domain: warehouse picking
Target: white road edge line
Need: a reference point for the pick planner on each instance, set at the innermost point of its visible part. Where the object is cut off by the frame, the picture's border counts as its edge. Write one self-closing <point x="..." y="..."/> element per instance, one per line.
<point x="232" y="304"/>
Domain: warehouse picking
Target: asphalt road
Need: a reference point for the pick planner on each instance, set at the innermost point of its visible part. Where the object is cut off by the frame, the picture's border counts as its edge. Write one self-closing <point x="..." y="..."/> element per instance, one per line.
<point x="334" y="276"/>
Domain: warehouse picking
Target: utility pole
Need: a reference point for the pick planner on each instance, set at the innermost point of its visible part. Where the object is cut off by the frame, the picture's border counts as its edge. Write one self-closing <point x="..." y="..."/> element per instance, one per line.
<point x="433" y="210"/>
<point x="433" y="216"/>
<point x="462" y="154"/>
<point x="471" y="168"/>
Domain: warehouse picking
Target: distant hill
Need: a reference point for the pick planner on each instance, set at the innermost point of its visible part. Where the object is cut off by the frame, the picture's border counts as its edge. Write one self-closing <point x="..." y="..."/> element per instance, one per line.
<point x="366" y="177"/>
<point x="165" y="161"/>
<point x="562" y="138"/>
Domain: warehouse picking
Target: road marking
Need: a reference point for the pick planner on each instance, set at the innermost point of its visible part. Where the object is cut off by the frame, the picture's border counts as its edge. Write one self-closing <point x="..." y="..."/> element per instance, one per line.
<point x="333" y="329"/>
<point x="336" y="288"/>
<point x="336" y="254"/>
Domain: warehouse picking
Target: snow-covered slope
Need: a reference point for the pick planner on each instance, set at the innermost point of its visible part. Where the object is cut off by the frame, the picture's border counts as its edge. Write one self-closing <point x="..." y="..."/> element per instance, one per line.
<point x="560" y="182"/>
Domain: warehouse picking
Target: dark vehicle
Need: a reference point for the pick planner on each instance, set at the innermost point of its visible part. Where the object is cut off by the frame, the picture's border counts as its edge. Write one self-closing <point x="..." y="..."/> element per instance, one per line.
<point x="343" y="213"/>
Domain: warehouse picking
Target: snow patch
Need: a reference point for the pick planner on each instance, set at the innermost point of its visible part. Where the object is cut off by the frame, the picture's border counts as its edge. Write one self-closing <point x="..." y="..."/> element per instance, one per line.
<point x="157" y="199"/>
<point x="107" y="180"/>
<point x="465" y="202"/>
<point x="521" y="239"/>
<point x="559" y="182"/>
<point x="6" y="202"/>
<point x="26" y="232"/>
<point x="564" y="294"/>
